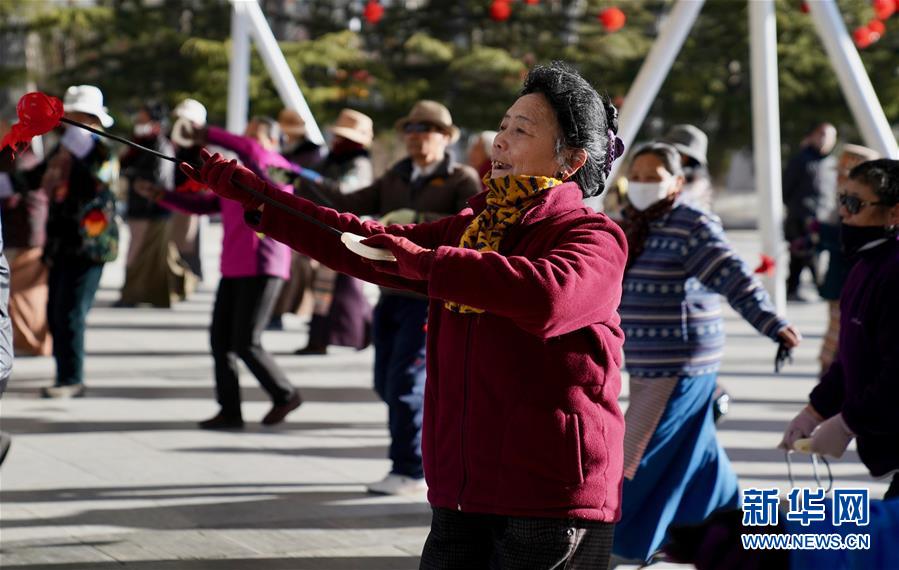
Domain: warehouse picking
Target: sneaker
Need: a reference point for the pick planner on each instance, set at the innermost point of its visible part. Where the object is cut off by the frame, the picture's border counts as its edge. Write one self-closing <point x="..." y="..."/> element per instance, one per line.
<point x="395" y="484"/>
<point x="222" y="421"/>
<point x="65" y="391"/>
<point x="277" y="414"/>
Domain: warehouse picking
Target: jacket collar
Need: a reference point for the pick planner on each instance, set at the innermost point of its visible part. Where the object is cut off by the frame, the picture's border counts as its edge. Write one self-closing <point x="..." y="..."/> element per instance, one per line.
<point x="404" y="168"/>
<point x="559" y="200"/>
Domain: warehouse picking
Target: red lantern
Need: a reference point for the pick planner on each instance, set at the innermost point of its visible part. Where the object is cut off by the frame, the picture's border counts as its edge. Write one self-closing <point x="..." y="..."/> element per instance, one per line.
<point x="804" y="8"/>
<point x="877" y="27"/>
<point x="500" y="10"/>
<point x="373" y="12"/>
<point x="885" y="8"/>
<point x="863" y="37"/>
<point x="532" y="2"/>
<point x="612" y="19"/>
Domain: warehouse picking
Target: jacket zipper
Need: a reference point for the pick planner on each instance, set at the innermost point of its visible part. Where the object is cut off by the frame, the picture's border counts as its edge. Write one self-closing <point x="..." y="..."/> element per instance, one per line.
<point x="464" y="412"/>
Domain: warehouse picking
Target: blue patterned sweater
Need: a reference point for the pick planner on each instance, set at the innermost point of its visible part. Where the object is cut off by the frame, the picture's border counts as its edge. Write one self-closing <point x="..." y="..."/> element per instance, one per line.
<point x="670" y="307"/>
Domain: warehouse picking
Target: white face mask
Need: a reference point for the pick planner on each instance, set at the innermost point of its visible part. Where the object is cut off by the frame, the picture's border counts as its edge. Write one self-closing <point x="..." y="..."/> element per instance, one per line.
<point x="144" y="130"/>
<point x="642" y="195"/>
<point x="78" y="141"/>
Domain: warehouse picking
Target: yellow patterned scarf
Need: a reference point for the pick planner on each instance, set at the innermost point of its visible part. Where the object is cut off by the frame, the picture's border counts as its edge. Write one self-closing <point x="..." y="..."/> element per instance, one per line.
<point x="507" y="199"/>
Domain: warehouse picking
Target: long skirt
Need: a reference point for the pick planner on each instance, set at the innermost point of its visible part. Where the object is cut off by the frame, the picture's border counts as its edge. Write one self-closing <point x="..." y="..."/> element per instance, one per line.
<point x="293" y="294"/>
<point x="682" y="473"/>
<point x="185" y="230"/>
<point x="341" y="316"/>
<point x="154" y="273"/>
<point x="28" y="302"/>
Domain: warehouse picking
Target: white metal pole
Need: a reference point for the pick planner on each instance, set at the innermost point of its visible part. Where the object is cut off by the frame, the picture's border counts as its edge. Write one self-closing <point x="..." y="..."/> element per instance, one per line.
<point x="238" y="71"/>
<point x="277" y="67"/>
<point x="766" y="142"/>
<point x="853" y="78"/>
<point x="654" y="70"/>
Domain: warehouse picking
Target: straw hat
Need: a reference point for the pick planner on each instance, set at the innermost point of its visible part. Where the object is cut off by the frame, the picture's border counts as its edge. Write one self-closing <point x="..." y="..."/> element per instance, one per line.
<point x="89" y="100"/>
<point x="292" y="124"/>
<point x="354" y="126"/>
<point x="431" y="112"/>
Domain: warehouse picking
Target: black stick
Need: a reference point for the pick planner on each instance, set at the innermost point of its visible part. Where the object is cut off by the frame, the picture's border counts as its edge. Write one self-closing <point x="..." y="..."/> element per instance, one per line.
<point x="256" y="194"/>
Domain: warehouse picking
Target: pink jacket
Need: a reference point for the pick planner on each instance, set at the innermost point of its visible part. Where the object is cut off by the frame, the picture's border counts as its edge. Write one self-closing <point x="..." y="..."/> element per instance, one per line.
<point x="244" y="252"/>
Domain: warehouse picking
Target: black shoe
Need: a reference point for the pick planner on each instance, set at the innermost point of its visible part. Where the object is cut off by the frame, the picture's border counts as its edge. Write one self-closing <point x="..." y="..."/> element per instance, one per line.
<point x="221" y="421"/>
<point x="278" y="412"/>
<point x="65" y="391"/>
<point x="5" y="440"/>
<point x="311" y="351"/>
<point x="796" y="297"/>
<point x="120" y="304"/>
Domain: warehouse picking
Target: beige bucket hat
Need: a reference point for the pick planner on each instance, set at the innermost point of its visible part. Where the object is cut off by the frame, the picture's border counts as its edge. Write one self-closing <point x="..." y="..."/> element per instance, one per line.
<point x="355" y="126"/>
<point x="432" y="112"/>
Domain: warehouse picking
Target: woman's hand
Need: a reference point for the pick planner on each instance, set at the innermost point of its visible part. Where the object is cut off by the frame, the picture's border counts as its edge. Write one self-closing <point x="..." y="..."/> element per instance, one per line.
<point x="832" y="437"/>
<point x="800" y="427"/>
<point x="412" y="260"/>
<point x="228" y="179"/>
<point x="790" y="336"/>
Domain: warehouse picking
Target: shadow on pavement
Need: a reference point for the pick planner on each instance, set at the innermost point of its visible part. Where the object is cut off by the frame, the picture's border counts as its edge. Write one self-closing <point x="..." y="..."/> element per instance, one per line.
<point x="170" y="392"/>
<point x="278" y="510"/>
<point x="358" y="452"/>
<point x="33" y="425"/>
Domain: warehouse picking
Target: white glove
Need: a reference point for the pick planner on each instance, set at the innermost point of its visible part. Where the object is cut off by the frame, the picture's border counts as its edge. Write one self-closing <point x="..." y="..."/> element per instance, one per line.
<point x="401" y="216"/>
<point x="802" y="426"/>
<point x="832" y="437"/>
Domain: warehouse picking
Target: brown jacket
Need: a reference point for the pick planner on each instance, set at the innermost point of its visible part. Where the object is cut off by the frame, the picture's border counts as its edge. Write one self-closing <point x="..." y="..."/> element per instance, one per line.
<point x="443" y="193"/>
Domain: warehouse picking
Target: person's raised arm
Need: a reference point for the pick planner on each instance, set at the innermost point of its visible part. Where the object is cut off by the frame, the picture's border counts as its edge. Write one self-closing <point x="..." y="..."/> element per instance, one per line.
<point x="712" y="260"/>
<point x="247" y="149"/>
<point x="326" y="192"/>
<point x="228" y="180"/>
<point x="575" y="284"/>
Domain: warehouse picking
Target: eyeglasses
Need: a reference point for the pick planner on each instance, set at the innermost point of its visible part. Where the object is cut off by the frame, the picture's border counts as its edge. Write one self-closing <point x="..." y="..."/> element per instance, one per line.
<point x="854" y="204"/>
<point x="421" y="128"/>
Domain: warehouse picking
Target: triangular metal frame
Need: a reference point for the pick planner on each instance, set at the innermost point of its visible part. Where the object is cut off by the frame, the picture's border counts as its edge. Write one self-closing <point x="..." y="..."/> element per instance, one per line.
<point x="854" y="81"/>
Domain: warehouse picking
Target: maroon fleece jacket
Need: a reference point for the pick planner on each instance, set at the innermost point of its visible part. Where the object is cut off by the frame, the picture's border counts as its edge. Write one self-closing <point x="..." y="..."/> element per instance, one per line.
<point x="521" y="410"/>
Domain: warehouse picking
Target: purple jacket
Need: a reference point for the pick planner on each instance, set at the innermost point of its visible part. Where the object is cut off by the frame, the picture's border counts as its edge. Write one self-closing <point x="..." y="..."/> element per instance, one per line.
<point x="863" y="381"/>
<point x="244" y="252"/>
<point x="521" y="405"/>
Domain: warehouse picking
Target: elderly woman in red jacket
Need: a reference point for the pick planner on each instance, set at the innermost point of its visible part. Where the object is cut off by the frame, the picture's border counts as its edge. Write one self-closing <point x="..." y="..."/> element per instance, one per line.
<point x="522" y="441"/>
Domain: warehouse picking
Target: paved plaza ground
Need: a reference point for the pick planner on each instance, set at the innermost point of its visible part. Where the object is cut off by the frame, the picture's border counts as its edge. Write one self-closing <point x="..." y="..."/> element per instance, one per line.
<point x="123" y="479"/>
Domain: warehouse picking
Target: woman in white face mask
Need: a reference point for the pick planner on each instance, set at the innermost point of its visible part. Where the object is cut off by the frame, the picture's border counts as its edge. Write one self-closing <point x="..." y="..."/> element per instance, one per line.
<point x="679" y="263"/>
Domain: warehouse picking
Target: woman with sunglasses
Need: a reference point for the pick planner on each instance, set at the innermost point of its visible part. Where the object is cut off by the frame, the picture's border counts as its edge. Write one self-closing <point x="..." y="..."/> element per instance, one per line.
<point x="522" y="429"/>
<point x="679" y="263"/>
<point x="856" y="398"/>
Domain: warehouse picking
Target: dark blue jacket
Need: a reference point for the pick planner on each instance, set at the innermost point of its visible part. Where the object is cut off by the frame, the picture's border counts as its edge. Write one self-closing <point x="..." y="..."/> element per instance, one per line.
<point x="863" y="381"/>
